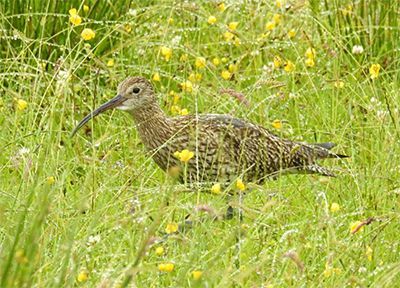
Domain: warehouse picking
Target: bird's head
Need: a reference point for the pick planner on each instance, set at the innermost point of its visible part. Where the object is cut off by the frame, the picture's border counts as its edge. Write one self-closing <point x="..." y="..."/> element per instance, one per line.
<point x="134" y="93"/>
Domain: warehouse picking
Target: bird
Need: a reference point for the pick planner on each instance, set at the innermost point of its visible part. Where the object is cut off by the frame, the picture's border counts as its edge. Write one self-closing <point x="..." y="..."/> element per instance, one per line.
<point x="218" y="148"/>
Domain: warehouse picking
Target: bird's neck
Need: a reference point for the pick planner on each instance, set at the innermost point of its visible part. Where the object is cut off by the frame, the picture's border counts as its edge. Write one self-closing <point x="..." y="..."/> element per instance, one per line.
<point x="153" y="125"/>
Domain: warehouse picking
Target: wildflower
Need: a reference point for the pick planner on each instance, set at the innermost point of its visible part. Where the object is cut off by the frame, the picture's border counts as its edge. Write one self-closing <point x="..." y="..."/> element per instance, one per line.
<point x="335" y="207"/>
<point x="212" y="20"/>
<point x="175" y="96"/>
<point x="277" y="124"/>
<point x="289" y="66"/>
<point x="159" y="251"/>
<point x="233" y="68"/>
<point x="184" y="58"/>
<point x="221" y="6"/>
<point x="240" y="185"/>
<point x="356" y="226"/>
<point x="224" y="59"/>
<point x="216" y="61"/>
<point x="86" y="8"/>
<point x="50" y="180"/>
<point x="185" y="155"/>
<point x="187" y="86"/>
<point x="128" y="28"/>
<point x="357" y="49"/>
<point x="110" y="63"/>
<point x="270" y="26"/>
<point x="291" y="33"/>
<point x="277" y="62"/>
<point x="20" y="256"/>
<point x="310" y="62"/>
<point x="195" y="77"/>
<point x="310" y="53"/>
<point x="83" y="276"/>
<point x="279" y="3"/>
<point x="184" y="112"/>
<point x="21" y="105"/>
<point x="329" y="271"/>
<point x="200" y="62"/>
<point x="369" y="253"/>
<point x="171" y="228"/>
<point x="88" y="34"/>
<point x="73" y="11"/>
<point x="166" y="52"/>
<point x="166" y="267"/>
<point x="75" y="19"/>
<point x="338" y="84"/>
<point x="228" y="36"/>
<point x="277" y="18"/>
<point x="156" y="77"/>
<point x="233" y="25"/>
<point x="196" y="274"/>
<point x="170" y="21"/>
<point x="237" y="41"/>
<point x="374" y="70"/>
<point x="216" y="188"/>
<point x="226" y="74"/>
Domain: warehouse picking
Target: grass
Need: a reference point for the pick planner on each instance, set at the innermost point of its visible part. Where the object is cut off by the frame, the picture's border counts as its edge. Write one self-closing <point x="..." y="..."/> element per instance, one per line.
<point x="105" y="185"/>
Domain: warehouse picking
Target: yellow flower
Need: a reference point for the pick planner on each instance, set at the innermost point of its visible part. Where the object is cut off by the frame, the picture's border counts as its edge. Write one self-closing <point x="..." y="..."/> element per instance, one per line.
<point x="184" y="156"/>
<point x="369" y="253"/>
<point x="128" y="28"/>
<point x="20" y="257"/>
<point x="310" y="53"/>
<point x="88" y="34"/>
<point x="85" y="8"/>
<point x="335" y="207"/>
<point x="277" y="18"/>
<point x="237" y="41"/>
<point x="175" y="109"/>
<point x="224" y="59"/>
<point x="175" y="96"/>
<point x="50" y="180"/>
<point x="221" y="6"/>
<point x="233" y="25"/>
<point x="310" y="62"/>
<point x="196" y="274"/>
<point x="171" y="228"/>
<point x="166" y="267"/>
<point x="279" y="3"/>
<point x="159" y="250"/>
<point x="184" y="58"/>
<point x="187" y="86"/>
<point x="329" y="271"/>
<point x="216" y="61"/>
<point x="228" y="36"/>
<point x="277" y="124"/>
<point x="72" y="11"/>
<point x="354" y="227"/>
<point x="289" y="66"/>
<point x="110" y="63"/>
<point x="374" y="70"/>
<point x="200" y="62"/>
<point x="291" y="33"/>
<point x="233" y="68"/>
<point x="212" y="20"/>
<point x="277" y="62"/>
<point x="83" y="276"/>
<point x="21" y="104"/>
<point x="170" y="21"/>
<point x="75" y="19"/>
<point x="226" y="74"/>
<point x="216" y="188"/>
<point x="156" y="77"/>
<point x="195" y="77"/>
<point x="166" y="52"/>
<point x="270" y="26"/>
<point x="184" y="112"/>
<point x="338" y="84"/>
<point x="240" y="185"/>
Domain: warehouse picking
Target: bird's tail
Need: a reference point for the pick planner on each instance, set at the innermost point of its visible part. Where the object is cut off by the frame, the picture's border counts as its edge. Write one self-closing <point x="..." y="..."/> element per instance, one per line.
<point x="322" y="150"/>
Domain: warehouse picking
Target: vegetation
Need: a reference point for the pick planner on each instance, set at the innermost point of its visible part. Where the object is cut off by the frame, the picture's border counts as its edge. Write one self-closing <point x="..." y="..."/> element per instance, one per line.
<point x="95" y="211"/>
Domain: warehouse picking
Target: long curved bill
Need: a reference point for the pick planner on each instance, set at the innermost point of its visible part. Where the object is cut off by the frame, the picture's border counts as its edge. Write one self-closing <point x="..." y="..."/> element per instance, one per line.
<point x="117" y="100"/>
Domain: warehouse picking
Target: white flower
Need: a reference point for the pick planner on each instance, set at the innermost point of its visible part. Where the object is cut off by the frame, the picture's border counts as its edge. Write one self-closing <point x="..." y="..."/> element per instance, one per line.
<point x="92" y="240"/>
<point x="132" y="12"/>
<point x="357" y="49"/>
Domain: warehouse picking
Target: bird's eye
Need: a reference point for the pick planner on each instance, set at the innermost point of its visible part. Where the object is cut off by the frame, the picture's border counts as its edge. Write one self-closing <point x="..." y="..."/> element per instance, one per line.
<point x="136" y="90"/>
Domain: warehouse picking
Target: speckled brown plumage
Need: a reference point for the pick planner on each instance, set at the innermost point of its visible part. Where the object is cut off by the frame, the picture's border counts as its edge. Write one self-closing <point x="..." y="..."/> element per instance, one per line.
<point x="224" y="147"/>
